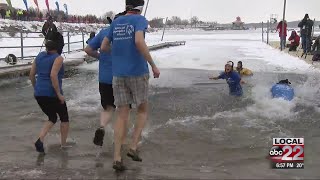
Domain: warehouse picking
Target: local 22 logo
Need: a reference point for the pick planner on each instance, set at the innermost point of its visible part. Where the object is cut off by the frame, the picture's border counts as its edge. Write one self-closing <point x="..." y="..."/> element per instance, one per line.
<point x="287" y="150"/>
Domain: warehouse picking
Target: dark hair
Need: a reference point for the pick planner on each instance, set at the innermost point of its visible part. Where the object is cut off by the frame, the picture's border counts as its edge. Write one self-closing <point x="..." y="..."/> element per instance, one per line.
<point x="240" y="62"/>
<point x="92" y="35"/>
<point x="306" y="16"/>
<point x="120" y="14"/>
<point x="131" y="4"/>
<point x="286" y="81"/>
<point x="55" y="41"/>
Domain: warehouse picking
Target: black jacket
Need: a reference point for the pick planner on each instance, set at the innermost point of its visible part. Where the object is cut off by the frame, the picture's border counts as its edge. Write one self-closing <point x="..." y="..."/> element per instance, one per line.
<point x="47" y="29"/>
<point x="306" y="26"/>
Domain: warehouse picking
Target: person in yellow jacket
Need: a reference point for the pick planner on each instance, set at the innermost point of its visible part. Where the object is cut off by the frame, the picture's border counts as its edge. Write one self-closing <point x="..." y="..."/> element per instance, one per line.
<point x="8" y="13"/>
<point x="243" y="71"/>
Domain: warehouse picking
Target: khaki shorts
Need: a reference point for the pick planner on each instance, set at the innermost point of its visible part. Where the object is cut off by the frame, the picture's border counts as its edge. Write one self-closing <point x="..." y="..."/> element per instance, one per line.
<point x="130" y="90"/>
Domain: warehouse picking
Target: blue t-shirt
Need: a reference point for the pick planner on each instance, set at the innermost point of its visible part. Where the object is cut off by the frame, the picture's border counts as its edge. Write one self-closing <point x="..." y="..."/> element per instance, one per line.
<point x="282" y="91"/>
<point x="126" y="59"/>
<point x="43" y="86"/>
<point x="105" y="63"/>
<point x="233" y="80"/>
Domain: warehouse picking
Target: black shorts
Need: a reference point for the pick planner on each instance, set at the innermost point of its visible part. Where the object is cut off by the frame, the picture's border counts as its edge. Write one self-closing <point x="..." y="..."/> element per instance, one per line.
<point x="51" y="106"/>
<point x="106" y="93"/>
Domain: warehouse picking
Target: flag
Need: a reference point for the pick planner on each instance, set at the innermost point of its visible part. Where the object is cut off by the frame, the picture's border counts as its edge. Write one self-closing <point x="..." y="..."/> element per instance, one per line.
<point x="9" y="3"/>
<point x="66" y="7"/>
<point x="47" y="3"/>
<point x="26" y="4"/>
<point x="57" y="4"/>
<point x="36" y="3"/>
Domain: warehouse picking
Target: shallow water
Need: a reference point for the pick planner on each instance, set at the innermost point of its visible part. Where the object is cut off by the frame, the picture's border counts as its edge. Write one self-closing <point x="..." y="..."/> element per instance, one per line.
<point x="195" y="129"/>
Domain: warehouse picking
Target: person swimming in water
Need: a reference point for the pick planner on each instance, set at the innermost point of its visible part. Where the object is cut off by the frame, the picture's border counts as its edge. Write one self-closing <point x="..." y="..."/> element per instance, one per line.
<point x="233" y="79"/>
<point x="243" y="71"/>
<point x="283" y="90"/>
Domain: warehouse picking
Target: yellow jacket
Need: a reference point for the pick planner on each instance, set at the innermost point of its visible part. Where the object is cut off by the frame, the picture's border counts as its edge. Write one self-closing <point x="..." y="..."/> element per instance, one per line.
<point x="245" y="72"/>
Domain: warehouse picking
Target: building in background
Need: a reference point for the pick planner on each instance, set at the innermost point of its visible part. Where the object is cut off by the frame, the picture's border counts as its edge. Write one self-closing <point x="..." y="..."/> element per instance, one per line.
<point x="238" y="24"/>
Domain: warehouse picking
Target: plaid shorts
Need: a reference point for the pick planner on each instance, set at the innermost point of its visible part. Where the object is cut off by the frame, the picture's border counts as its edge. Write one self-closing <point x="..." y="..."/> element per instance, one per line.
<point x="130" y="90"/>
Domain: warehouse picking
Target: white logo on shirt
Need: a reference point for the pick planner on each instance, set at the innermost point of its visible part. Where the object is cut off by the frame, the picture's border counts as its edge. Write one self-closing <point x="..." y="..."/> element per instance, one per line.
<point x="130" y="29"/>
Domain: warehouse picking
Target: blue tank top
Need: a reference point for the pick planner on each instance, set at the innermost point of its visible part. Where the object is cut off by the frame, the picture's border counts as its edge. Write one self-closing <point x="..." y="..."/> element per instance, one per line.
<point x="283" y="91"/>
<point x="44" y="63"/>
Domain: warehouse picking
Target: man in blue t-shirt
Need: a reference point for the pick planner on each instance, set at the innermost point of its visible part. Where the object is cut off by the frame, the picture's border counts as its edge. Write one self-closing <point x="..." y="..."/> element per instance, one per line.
<point x="233" y="79"/>
<point x="105" y="82"/>
<point x="130" y="58"/>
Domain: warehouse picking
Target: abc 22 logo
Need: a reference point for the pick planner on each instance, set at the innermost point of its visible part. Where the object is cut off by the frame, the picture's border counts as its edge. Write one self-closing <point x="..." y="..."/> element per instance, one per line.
<point x="287" y="153"/>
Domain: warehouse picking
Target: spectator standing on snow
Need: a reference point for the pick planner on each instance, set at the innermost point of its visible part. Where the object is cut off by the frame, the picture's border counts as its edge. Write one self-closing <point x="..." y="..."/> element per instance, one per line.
<point x="49" y="27"/>
<point x="3" y="13"/>
<point x="306" y="30"/>
<point x="282" y="35"/>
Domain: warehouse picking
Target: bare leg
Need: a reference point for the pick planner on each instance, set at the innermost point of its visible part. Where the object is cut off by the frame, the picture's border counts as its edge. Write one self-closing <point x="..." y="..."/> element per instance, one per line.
<point x="64" y="129"/>
<point x="46" y="128"/>
<point x="105" y="116"/>
<point x="125" y="132"/>
<point x="119" y="128"/>
<point x="139" y="125"/>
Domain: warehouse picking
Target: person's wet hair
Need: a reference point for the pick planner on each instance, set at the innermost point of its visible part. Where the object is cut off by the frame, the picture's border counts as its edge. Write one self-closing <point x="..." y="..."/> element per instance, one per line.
<point x="286" y="81"/>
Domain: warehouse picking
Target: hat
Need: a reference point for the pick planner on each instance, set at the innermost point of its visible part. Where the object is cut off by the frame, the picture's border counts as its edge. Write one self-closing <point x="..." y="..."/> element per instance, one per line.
<point x="134" y="5"/>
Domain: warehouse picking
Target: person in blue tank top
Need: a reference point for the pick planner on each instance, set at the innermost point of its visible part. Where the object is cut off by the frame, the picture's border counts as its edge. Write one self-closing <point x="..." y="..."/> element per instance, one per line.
<point x="283" y="90"/>
<point x="105" y="81"/>
<point x="46" y="76"/>
<point x="233" y="79"/>
<point x="130" y="58"/>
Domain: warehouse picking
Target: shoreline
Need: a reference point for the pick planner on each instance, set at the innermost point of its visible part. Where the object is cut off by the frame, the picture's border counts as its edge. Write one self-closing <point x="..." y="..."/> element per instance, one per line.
<point x="276" y="45"/>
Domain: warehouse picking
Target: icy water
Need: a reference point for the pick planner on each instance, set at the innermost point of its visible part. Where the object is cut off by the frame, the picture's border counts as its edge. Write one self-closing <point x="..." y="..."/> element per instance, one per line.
<point x="195" y="129"/>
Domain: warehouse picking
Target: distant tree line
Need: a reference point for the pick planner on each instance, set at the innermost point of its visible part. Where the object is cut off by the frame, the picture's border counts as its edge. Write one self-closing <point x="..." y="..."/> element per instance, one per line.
<point x="176" y="21"/>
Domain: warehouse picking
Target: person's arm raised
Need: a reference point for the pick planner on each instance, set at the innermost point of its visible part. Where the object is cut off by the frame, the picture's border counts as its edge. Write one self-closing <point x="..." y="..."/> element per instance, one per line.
<point x="144" y="50"/>
<point x="54" y="77"/>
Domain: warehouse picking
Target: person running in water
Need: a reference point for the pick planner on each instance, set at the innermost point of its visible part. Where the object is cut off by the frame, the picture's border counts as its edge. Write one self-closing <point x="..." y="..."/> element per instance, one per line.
<point x="130" y="55"/>
<point x="48" y="66"/>
<point x="243" y="71"/>
<point x="233" y="79"/>
<point x="105" y="82"/>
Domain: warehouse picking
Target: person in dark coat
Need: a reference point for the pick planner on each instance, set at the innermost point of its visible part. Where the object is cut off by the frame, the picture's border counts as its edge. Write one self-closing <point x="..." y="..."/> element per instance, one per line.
<point x="49" y="27"/>
<point x="3" y="13"/>
<point x="316" y="50"/>
<point x="306" y="26"/>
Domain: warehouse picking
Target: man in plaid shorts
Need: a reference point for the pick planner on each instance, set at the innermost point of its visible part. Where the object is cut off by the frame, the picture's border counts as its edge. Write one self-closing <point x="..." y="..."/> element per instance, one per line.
<point x="130" y="55"/>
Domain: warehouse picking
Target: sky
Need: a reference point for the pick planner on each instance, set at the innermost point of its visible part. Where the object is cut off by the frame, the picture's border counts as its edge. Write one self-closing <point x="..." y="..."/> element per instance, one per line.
<point x="222" y="11"/>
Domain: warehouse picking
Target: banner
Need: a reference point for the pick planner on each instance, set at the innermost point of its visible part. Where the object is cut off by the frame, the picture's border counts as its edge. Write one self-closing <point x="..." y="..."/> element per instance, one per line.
<point x="26" y="4"/>
<point x="47" y="3"/>
<point x="66" y="7"/>
<point x="57" y="4"/>
<point x="9" y="3"/>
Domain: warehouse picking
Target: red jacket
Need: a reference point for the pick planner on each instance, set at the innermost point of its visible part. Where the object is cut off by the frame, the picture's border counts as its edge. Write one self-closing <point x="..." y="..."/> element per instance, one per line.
<point x="296" y="39"/>
<point x="279" y="28"/>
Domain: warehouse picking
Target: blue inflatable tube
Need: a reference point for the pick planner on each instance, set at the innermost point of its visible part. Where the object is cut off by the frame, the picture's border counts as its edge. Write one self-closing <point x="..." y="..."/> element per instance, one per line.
<point x="283" y="91"/>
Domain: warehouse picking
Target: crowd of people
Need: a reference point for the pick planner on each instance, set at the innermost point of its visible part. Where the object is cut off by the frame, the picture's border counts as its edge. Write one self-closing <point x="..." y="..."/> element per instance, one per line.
<point x="306" y="26"/>
<point x="34" y="15"/>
